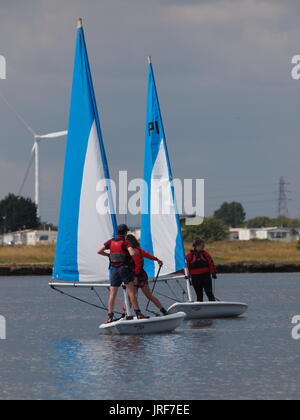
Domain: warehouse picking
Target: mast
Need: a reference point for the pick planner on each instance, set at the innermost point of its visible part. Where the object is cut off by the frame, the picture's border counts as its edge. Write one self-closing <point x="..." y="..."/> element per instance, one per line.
<point x="37" y="179"/>
<point x="87" y="217"/>
<point x="161" y="228"/>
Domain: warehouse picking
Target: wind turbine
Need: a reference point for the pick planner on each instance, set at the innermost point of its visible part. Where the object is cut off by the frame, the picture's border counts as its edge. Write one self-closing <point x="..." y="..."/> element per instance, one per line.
<point x="34" y="152"/>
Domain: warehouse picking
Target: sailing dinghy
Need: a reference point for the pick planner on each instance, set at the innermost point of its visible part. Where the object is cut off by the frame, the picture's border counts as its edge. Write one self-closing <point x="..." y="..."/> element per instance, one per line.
<point x="207" y="310"/>
<point x="153" y="325"/>
<point x="83" y="226"/>
<point x="161" y="229"/>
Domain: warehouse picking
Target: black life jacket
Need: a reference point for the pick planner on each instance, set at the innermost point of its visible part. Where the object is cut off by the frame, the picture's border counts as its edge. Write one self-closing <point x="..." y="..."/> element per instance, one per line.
<point x="199" y="261"/>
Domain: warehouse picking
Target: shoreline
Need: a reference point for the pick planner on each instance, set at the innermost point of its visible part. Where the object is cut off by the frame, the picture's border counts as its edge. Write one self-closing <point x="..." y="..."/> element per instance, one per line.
<point x="229" y="268"/>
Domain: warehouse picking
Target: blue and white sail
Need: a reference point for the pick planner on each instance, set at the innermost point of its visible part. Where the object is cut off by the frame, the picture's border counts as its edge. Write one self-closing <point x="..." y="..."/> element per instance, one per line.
<point x="82" y="229"/>
<point x="161" y="229"/>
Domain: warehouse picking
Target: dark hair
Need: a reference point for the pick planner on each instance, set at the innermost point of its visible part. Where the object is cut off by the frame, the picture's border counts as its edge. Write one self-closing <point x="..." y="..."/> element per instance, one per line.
<point x="123" y="229"/>
<point x="198" y="241"/>
<point x="134" y="242"/>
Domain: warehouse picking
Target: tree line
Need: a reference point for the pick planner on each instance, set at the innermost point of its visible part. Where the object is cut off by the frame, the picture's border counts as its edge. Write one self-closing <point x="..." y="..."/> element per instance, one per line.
<point x="19" y="213"/>
<point x="233" y="215"/>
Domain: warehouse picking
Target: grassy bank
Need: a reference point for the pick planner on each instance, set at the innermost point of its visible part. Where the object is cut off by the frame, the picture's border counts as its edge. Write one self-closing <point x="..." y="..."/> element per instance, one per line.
<point x="253" y="251"/>
<point x="223" y="252"/>
<point x="27" y="255"/>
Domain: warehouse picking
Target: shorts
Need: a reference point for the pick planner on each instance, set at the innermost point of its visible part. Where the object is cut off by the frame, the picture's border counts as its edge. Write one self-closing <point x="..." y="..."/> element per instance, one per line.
<point x="120" y="275"/>
<point x="142" y="280"/>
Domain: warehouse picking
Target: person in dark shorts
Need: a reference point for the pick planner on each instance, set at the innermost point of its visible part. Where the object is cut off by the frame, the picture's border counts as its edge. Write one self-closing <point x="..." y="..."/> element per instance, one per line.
<point x="120" y="253"/>
<point x="201" y="269"/>
<point x="140" y="275"/>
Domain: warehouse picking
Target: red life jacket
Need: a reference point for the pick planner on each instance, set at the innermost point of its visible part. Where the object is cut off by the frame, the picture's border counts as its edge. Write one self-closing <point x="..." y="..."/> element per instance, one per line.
<point x="137" y="264"/>
<point x="200" y="263"/>
<point x="118" y="254"/>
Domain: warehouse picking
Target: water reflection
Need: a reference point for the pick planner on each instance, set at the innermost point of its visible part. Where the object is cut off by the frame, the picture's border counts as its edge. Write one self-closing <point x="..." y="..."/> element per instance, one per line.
<point x="56" y="352"/>
<point x="69" y="365"/>
<point x="132" y="343"/>
<point x="198" y="324"/>
<point x="116" y="365"/>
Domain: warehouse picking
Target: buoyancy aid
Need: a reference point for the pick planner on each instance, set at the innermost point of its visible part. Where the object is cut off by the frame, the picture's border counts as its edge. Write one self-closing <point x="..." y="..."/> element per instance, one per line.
<point x="198" y="261"/>
<point x="118" y="254"/>
<point x="138" y="260"/>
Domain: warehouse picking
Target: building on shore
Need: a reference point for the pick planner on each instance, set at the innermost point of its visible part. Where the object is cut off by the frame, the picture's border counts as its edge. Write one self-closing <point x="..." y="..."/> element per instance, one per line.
<point x="29" y="237"/>
<point x="270" y="233"/>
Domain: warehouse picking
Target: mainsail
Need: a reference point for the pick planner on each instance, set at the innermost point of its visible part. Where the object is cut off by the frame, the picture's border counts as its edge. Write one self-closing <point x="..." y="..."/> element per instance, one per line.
<point x="161" y="229"/>
<point x="82" y="229"/>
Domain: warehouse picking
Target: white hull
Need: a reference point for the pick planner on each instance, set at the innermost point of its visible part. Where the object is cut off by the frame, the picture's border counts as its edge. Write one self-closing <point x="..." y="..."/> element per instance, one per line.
<point x="204" y="310"/>
<point x="152" y="325"/>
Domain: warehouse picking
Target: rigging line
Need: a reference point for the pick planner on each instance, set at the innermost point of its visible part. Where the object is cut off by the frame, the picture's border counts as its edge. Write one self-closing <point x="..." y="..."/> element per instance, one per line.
<point x="240" y="194"/>
<point x="250" y="201"/>
<point x="153" y="288"/>
<point x="167" y="297"/>
<point x="99" y="297"/>
<point x="79" y="300"/>
<point x="243" y="186"/>
<point x="258" y="187"/>
<point x="76" y="298"/>
<point x="182" y="288"/>
<point x="259" y="201"/>
<point x="102" y="303"/>
<point x="174" y="294"/>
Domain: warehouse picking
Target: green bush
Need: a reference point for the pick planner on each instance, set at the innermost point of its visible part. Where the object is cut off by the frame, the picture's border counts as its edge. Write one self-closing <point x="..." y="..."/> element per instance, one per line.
<point x="211" y="230"/>
<point x="232" y="214"/>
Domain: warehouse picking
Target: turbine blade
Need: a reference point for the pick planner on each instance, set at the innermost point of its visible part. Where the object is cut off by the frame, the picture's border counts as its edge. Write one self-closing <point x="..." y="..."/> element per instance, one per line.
<point x="14" y="111"/>
<point x="28" y="169"/>
<point x="52" y="135"/>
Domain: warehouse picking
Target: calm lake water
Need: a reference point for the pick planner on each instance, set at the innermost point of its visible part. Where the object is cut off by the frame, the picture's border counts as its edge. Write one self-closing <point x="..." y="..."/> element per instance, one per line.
<point x="54" y="349"/>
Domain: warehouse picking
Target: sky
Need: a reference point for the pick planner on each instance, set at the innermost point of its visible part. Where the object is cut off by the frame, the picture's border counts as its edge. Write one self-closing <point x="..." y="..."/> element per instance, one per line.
<point x="223" y="69"/>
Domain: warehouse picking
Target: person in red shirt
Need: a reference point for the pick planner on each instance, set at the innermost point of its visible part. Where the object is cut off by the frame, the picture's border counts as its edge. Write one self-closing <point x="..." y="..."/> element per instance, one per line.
<point x="120" y="253"/>
<point x="140" y="275"/>
<point x="201" y="268"/>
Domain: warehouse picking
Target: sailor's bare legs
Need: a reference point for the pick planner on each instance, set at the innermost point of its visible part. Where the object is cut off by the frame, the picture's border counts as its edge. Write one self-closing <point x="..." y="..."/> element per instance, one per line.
<point x="147" y="292"/>
<point x="113" y="291"/>
<point x="132" y="296"/>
